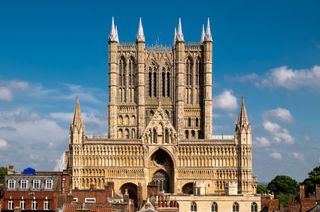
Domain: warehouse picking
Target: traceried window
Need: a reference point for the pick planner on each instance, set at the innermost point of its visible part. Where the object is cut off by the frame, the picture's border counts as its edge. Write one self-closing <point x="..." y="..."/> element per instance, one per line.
<point x="235" y="207"/>
<point x="161" y="179"/>
<point x="48" y="184"/>
<point x="36" y="184"/>
<point x="131" y="79"/>
<point x="122" y="79"/>
<point x="163" y="84"/>
<point x="189" y="81"/>
<point x="254" y="207"/>
<point x="150" y="82"/>
<point x="168" y="84"/>
<point x="11" y="184"/>
<point x="24" y="184"/>
<point x="214" y="207"/>
<point x="193" y="207"/>
<point x="197" y="80"/>
<point x="155" y="84"/>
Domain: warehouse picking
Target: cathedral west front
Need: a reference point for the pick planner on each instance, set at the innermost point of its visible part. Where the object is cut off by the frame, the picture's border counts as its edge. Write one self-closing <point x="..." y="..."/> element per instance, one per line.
<point x="160" y="136"/>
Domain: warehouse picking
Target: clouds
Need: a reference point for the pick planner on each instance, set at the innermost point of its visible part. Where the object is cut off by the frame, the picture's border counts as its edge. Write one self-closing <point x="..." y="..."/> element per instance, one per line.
<point x="3" y="144"/>
<point x="279" y="134"/>
<point x="284" y="77"/>
<point x="5" y="94"/>
<point x="226" y="101"/>
<point x="276" y="155"/>
<point x="280" y="114"/>
<point x="261" y="142"/>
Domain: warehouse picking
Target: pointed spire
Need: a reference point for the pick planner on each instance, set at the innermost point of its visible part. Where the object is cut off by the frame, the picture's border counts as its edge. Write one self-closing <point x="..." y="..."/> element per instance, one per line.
<point x="243" y="118"/>
<point x="140" y="35"/>
<point x="117" y="36"/>
<point x="208" y="36"/>
<point x="113" y="32"/>
<point x="180" y="34"/>
<point x="174" y="36"/>
<point x="77" y="118"/>
<point x="202" y="34"/>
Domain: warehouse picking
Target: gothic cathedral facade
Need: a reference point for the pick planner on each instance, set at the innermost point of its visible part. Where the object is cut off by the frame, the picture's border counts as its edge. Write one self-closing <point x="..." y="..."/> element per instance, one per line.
<point x="160" y="134"/>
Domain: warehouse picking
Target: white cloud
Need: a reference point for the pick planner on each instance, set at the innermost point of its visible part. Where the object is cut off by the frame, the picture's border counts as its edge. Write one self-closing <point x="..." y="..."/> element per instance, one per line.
<point x="18" y="84"/>
<point x="276" y="155"/>
<point x="226" y="101"/>
<point x="62" y="116"/>
<point x="297" y="155"/>
<point x="5" y="94"/>
<point x="3" y="144"/>
<point x="279" y="113"/>
<point x="278" y="133"/>
<point x="284" y="77"/>
<point x="261" y="142"/>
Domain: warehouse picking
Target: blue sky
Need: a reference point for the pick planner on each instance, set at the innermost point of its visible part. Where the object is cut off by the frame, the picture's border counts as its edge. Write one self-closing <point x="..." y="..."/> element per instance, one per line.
<point x="267" y="51"/>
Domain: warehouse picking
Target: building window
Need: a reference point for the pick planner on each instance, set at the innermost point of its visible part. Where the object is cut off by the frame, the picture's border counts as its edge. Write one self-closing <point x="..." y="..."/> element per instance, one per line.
<point x="90" y="200"/>
<point x="10" y="204"/>
<point x="150" y="83"/>
<point x="34" y="204"/>
<point x="168" y="84"/>
<point x="197" y="122"/>
<point x="24" y="184"/>
<point x="154" y="136"/>
<point x="48" y="184"/>
<point x="193" y="207"/>
<point x="11" y="184"/>
<point x="163" y="84"/>
<point x="75" y="199"/>
<point x="254" y="207"/>
<point x="46" y="204"/>
<point x="214" y="207"/>
<point x="22" y="204"/>
<point x="187" y="134"/>
<point x="235" y="207"/>
<point x="36" y="184"/>
<point x="193" y="134"/>
<point x="154" y="84"/>
<point x="189" y="122"/>
<point x="166" y="136"/>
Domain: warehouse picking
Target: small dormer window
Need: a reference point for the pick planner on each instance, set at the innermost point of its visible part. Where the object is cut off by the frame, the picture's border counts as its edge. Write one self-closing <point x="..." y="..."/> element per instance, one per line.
<point x="36" y="184"/>
<point x="11" y="184"/>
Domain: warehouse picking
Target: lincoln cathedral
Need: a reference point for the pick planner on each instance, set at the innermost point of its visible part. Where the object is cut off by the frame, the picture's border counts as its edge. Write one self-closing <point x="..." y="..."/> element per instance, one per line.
<point x="160" y="139"/>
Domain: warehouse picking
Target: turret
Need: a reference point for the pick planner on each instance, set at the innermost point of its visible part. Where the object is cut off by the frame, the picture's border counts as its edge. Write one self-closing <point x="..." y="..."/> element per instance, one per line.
<point x="140" y="83"/>
<point x="207" y="66"/>
<point x="243" y="125"/>
<point x="113" y="42"/>
<point x="180" y="81"/>
<point x="77" y="126"/>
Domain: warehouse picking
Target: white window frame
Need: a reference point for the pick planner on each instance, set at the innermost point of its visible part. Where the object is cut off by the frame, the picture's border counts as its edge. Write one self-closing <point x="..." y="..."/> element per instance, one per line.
<point x="36" y="184"/>
<point x="11" y="184"/>
<point x="90" y="200"/>
<point x="10" y="204"/>
<point x="75" y="199"/>
<point x="24" y="182"/>
<point x="48" y="184"/>
<point x="46" y="204"/>
<point x="34" y="204"/>
<point x="22" y="204"/>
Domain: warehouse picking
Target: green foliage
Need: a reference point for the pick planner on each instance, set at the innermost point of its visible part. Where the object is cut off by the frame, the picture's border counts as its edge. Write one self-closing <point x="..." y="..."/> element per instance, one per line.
<point x="3" y="172"/>
<point x="285" y="189"/>
<point x="261" y="189"/>
<point x="313" y="180"/>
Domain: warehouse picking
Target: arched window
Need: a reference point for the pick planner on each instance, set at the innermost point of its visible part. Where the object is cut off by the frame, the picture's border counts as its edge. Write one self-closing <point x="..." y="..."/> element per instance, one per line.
<point x="10" y="204"/>
<point x="154" y="136"/>
<point x="131" y="72"/>
<point x="214" y="207"/>
<point x="235" y="207"/>
<point x="22" y="204"/>
<point x="126" y="134"/>
<point x="189" y="122"/>
<point x="168" y="84"/>
<point x="120" y="120"/>
<point x="150" y="83"/>
<point x="187" y="134"/>
<point x="122" y="79"/>
<point x="120" y="133"/>
<point x="197" y="122"/>
<point x="163" y="84"/>
<point x="166" y="136"/>
<point x="189" y="72"/>
<point x="254" y="207"/>
<point x="193" y="207"/>
<point x="198" y="72"/>
<point x="34" y="204"/>
<point x="155" y="84"/>
<point x="46" y="204"/>
<point x="133" y="133"/>
<point x="193" y="134"/>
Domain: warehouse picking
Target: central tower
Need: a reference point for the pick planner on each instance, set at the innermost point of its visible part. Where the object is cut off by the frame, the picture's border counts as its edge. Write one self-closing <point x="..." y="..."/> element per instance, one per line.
<point x="178" y="79"/>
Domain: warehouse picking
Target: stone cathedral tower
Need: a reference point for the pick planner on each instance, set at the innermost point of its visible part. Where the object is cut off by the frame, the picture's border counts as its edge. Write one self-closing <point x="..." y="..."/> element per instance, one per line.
<point x="160" y="137"/>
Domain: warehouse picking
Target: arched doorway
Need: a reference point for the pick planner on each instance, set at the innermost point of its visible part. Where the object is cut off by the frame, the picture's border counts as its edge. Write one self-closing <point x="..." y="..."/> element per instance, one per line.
<point x="162" y="171"/>
<point x="187" y="188"/>
<point x="132" y="191"/>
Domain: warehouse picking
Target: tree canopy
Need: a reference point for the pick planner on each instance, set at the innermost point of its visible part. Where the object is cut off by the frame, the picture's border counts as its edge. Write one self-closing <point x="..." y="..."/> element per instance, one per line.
<point x="285" y="188"/>
<point x="312" y="180"/>
<point x="3" y="172"/>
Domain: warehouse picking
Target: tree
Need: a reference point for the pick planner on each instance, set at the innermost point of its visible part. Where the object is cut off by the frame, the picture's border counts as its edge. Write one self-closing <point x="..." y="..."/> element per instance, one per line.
<point x="261" y="189"/>
<point x="3" y="172"/>
<point x="285" y="189"/>
<point x="312" y="180"/>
